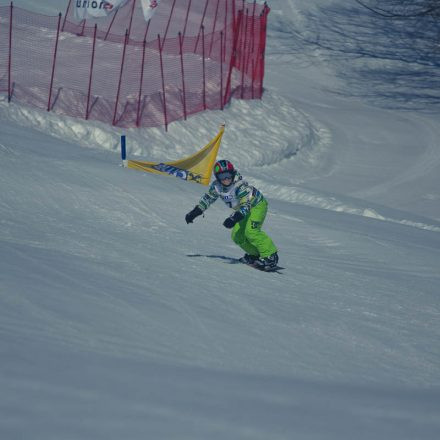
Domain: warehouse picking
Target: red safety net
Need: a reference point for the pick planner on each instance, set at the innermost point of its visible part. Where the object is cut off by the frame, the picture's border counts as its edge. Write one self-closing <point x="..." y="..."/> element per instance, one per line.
<point x="191" y="56"/>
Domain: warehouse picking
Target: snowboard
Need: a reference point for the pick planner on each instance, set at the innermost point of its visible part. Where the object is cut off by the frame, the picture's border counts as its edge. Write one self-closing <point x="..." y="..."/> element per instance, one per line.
<point x="232" y="260"/>
<point x="263" y="269"/>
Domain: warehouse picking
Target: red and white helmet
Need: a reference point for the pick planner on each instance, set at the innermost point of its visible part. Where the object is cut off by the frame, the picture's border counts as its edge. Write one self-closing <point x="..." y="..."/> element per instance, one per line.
<point x="223" y="169"/>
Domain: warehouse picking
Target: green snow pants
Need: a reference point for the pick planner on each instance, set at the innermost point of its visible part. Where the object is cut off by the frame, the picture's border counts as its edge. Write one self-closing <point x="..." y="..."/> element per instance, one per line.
<point x="248" y="234"/>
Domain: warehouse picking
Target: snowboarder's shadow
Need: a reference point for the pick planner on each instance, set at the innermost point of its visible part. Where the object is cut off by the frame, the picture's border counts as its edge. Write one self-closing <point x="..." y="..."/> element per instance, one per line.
<point x="228" y="260"/>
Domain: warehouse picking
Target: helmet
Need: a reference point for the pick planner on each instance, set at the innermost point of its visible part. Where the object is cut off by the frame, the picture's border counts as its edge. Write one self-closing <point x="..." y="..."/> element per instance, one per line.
<point x="222" y="168"/>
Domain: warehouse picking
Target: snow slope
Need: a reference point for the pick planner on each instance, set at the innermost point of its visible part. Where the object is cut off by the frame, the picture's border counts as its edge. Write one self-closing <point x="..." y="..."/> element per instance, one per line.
<point x="118" y="320"/>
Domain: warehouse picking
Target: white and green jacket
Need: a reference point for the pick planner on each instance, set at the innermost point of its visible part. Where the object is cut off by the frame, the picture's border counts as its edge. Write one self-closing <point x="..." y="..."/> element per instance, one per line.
<point x="240" y="196"/>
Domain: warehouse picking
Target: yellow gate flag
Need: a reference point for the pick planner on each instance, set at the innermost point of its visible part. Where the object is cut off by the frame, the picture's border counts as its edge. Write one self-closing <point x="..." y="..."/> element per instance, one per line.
<point x="196" y="168"/>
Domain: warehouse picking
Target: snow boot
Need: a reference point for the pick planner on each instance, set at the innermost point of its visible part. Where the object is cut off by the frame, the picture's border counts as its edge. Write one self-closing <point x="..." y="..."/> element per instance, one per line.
<point x="267" y="262"/>
<point x="248" y="259"/>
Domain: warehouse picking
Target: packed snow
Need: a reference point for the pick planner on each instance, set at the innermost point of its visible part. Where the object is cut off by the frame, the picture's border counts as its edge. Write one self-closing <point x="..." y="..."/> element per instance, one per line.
<point x="119" y="320"/>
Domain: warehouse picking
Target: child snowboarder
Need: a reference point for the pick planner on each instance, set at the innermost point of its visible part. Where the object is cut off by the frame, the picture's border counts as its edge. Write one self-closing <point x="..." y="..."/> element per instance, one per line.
<point x="250" y="208"/>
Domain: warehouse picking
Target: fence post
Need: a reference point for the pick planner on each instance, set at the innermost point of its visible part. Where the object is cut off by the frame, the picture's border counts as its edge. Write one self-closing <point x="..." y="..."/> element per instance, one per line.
<point x="263" y="47"/>
<point x="241" y="37"/>
<point x="243" y="59"/>
<point x="53" y="63"/>
<point x="233" y="14"/>
<point x="213" y="28"/>
<point x="233" y="55"/>
<point x="226" y="30"/>
<point x="138" y="113"/>
<point x="65" y="15"/>
<point x="83" y="27"/>
<point x="204" y="67"/>
<point x="120" y="77"/>
<point x="186" y="19"/>
<point x="163" y="84"/>
<point x="146" y="30"/>
<point x="253" y="79"/>
<point x="183" y="76"/>
<point x="111" y="24"/>
<point x="201" y="24"/>
<point x="131" y="18"/>
<point x="221" y="70"/>
<point x="91" y="71"/>
<point x="250" y="51"/>
<point x="10" y="53"/>
<point x="168" y="24"/>
<point x="258" y="55"/>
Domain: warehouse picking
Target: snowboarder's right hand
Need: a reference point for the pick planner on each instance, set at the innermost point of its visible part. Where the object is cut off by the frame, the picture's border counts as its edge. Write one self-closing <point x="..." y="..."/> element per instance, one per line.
<point x="193" y="214"/>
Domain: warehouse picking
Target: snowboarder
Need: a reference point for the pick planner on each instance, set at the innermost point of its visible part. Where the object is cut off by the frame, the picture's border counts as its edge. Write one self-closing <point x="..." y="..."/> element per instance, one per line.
<point x="250" y="208"/>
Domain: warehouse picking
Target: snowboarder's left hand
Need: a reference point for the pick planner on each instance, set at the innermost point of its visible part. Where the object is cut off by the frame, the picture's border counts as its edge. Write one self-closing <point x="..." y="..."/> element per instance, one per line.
<point x="233" y="219"/>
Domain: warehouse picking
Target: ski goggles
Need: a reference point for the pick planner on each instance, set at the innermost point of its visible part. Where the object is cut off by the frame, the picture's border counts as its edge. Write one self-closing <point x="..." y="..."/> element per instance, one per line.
<point x="225" y="175"/>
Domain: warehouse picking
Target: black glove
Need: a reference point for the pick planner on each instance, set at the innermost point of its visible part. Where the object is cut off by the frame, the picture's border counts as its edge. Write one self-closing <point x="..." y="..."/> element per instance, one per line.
<point x="193" y="214"/>
<point x="230" y="221"/>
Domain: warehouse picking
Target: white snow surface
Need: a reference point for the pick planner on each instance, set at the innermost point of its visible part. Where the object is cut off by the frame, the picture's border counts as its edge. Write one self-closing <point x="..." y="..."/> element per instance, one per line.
<point x="120" y="321"/>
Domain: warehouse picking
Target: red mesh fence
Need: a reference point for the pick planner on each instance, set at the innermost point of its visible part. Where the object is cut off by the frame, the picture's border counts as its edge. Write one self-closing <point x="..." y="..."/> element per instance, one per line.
<point x="191" y="56"/>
